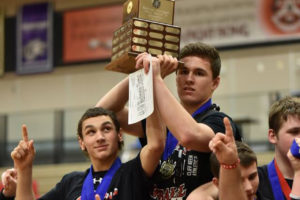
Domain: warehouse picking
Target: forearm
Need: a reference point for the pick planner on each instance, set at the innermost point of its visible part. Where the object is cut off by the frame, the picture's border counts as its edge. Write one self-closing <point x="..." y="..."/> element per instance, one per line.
<point x="186" y="130"/>
<point x="156" y="134"/>
<point x="234" y="190"/>
<point x="24" y="185"/>
<point x="116" y="98"/>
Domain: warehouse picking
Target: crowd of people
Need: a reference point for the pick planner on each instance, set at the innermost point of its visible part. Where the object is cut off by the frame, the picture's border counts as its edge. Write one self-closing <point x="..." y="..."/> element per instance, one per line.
<point x="190" y="149"/>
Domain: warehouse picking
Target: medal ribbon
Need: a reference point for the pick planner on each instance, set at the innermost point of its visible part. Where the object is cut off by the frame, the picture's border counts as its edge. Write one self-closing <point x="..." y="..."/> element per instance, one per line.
<point x="171" y="141"/>
<point x="88" y="192"/>
<point x="279" y="185"/>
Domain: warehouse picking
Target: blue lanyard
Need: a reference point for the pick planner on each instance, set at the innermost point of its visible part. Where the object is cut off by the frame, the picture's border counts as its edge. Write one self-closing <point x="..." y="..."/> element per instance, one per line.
<point x="88" y="192"/>
<point x="274" y="180"/>
<point x="171" y="141"/>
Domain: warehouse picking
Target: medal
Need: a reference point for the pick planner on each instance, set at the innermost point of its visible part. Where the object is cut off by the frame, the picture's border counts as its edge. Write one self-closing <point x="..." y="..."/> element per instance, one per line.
<point x="167" y="169"/>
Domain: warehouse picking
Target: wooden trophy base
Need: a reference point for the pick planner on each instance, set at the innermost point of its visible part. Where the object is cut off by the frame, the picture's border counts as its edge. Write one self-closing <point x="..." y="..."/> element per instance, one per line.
<point x="124" y="64"/>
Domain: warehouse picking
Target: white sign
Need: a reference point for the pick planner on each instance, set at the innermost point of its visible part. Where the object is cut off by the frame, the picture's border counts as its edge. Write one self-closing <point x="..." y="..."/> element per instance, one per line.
<point x="140" y="95"/>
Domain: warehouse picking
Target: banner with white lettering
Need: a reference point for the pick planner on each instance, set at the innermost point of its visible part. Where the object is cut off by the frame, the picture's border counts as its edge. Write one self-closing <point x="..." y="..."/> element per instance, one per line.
<point x="1" y="42"/>
<point x="235" y="22"/>
<point x="34" y="38"/>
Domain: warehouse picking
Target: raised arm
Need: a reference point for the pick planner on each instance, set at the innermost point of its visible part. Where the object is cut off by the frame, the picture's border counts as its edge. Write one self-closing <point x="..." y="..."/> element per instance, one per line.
<point x="115" y="100"/>
<point x="23" y="156"/>
<point x="156" y="135"/>
<point x="187" y="131"/>
<point x="223" y="146"/>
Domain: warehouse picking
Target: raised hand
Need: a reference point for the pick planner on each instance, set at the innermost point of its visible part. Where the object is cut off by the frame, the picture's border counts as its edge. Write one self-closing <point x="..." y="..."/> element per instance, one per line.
<point x="168" y="64"/>
<point x="223" y="145"/>
<point x="23" y="154"/>
<point x="9" y="180"/>
<point x="143" y="61"/>
<point x="163" y="65"/>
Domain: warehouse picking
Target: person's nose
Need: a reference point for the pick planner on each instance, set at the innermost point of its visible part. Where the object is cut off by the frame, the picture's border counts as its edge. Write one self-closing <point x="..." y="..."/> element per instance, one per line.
<point x="190" y="77"/>
<point x="247" y="186"/>
<point x="100" y="136"/>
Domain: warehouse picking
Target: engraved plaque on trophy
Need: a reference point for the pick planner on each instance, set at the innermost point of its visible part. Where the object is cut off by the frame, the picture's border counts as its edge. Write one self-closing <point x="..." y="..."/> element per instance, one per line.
<point x="154" y="10"/>
<point x="141" y="33"/>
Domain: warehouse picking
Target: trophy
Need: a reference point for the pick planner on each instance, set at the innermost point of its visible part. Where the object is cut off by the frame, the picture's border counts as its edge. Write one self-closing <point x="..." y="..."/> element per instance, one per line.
<point x="147" y="27"/>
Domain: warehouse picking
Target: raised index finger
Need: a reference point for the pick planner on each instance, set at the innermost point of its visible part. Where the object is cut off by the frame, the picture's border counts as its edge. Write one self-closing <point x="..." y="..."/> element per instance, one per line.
<point x="24" y="133"/>
<point x="228" y="129"/>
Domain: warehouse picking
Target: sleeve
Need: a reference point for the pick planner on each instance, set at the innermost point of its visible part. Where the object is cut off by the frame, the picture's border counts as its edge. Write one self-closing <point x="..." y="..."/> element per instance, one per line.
<point x="215" y="122"/>
<point x="2" y="197"/>
<point x="141" y="174"/>
<point x="131" y="181"/>
<point x="69" y="187"/>
<point x="143" y="140"/>
<point x="56" y="192"/>
<point x="138" y="175"/>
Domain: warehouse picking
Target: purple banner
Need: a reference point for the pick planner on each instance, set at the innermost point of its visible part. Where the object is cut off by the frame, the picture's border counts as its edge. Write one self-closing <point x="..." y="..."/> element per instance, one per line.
<point x="34" y="39"/>
<point x="1" y="42"/>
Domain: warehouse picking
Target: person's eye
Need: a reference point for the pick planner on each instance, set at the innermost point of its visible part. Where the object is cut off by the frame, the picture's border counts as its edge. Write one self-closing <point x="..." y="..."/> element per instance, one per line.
<point x="252" y="176"/>
<point x="90" y="132"/>
<point x="199" y="73"/>
<point x="107" y="129"/>
<point x="183" y="71"/>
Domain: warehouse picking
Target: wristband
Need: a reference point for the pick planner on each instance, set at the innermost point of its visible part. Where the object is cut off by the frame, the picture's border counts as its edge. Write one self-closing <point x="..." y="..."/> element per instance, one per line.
<point x="294" y="196"/>
<point x="295" y="149"/>
<point x="230" y="166"/>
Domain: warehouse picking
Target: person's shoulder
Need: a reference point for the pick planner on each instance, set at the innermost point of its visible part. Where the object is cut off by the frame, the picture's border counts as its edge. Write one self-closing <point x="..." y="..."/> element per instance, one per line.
<point x="214" y="115"/>
<point x="131" y="163"/>
<point x="264" y="190"/>
<point x="75" y="175"/>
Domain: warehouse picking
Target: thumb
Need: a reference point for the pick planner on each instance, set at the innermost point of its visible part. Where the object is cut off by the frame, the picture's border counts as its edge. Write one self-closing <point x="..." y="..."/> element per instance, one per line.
<point x="79" y="198"/>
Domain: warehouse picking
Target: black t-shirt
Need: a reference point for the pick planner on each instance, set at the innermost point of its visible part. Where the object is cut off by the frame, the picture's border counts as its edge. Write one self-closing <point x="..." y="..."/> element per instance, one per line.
<point x="128" y="183"/>
<point x="191" y="168"/>
<point x="264" y="191"/>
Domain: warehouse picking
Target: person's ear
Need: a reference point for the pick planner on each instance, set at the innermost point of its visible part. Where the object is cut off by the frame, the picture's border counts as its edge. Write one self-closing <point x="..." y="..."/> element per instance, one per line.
<point x="215" y="181"/>
<point x="120" y="136"/>
<point x="272" y="136"/>
<point x="216" y="83"/>
<point x="81" y="144"/>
